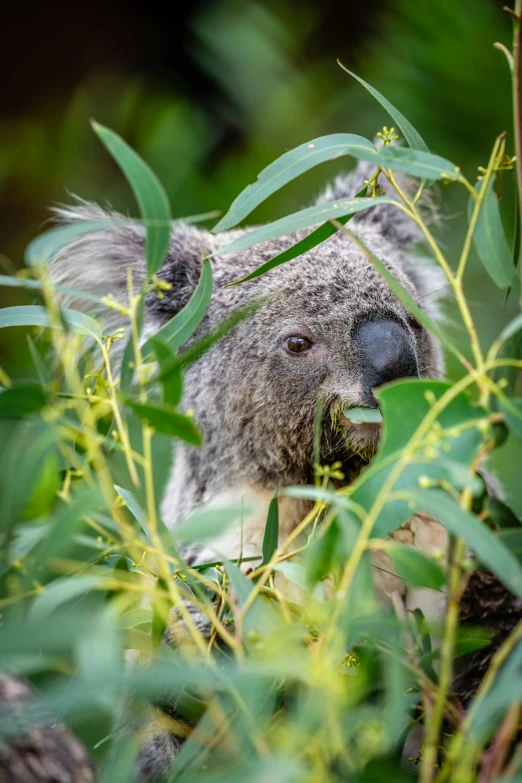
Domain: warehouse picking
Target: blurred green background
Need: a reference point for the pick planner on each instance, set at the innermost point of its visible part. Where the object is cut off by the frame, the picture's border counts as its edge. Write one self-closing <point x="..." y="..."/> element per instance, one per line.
<point x="211" y="93"/>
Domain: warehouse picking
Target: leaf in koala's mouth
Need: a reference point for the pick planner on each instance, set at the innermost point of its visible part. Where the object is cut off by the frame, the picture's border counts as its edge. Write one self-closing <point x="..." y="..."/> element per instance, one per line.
<point x="363" y="415"/>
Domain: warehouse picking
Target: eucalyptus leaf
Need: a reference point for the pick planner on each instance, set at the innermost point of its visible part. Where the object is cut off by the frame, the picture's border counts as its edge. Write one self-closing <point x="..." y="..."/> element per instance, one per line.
<point x="414" y="567"/>
<point x="488" y="548"/>
<point x="37" y="285"/>
<point x="162" y="418"/>
<point x="21" y="399"/>
<point x="161" y="605"/>
<point x="411" y="135"/>
<point x="303" y="219"/>
<point x="271" y="535"/>
<point x="490" y="239"/>
<point x="363" y="415"/>
<point x="61" y="591"/>
<point x="208" y="522"/>
<point x="35" y="315"/>
<point x="172" y="382"/>
<point x="303" y="246"/>
<point x="291" y="165"/>
<point x="512" y="410"/>
<point x="150" y="195"/>
<point x="183" y="325"/>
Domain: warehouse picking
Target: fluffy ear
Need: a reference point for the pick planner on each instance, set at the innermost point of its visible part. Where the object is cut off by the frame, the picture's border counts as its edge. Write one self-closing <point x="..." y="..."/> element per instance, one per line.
<point x="393" y="224"/>
<point x="98" y="263"/>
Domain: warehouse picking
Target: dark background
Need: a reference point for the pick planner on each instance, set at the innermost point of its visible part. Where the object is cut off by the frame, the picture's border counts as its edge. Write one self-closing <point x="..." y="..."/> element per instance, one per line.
<point x="212" y="92"/>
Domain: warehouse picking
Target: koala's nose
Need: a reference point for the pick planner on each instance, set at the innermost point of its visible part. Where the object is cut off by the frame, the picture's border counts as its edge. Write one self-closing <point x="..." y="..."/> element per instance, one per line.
<point x="386" y="351"/>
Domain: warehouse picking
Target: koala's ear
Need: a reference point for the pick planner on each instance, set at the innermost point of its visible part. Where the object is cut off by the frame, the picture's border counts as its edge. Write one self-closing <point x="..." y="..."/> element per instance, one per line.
<point x="98" y="262"/>
<point x="389" y="221"/>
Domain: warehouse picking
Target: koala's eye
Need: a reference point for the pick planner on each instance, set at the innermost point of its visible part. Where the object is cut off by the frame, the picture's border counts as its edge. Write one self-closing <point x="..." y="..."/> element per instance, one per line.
<point x="297" y="344"/>
<point x="414" y="324"/>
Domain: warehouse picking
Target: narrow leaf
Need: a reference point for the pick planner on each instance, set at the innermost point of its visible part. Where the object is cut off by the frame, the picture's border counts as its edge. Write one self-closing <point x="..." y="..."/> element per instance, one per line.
<point x="183" y="325"/>
<point x="412" y="136"/>
<point x="60" y="591"/>
<point x="149" y="192"/>
<point x="512" y="410"/>
<point x="47" y="245"/>
<point x="488" y="547"/>
<point x="414" y="567"/>
<point x="37" y="285"/>
<point x="312" y="240"/>
<point x="20" y="399"/>
<point x="172" y="382"/>
<point x="271" y="536"/>
<point x="35" y="315"/>
<point x="161" y="606"/>
<point x="163" y="419"/>
<point x="208" y="522"/>
<point x="418" y="163"/>
<point x="512" y="328"/>
<point x="291" y="165"/>
<point x="303" y="219"/>
<point x="363" y="415"/>
<point x="490" y="240"/>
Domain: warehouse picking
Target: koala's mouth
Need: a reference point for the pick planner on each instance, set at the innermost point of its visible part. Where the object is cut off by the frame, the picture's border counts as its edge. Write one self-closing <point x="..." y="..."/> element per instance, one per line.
<point x="357" y="433"/>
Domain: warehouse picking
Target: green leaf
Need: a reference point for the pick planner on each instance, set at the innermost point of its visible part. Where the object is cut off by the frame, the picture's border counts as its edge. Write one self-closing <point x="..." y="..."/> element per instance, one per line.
<point x="303" y="219"/>
<point x="412" y="136"/>
<point x="294" y="572"/>
<point x="20" y="399"/>
<point x="163" y="419"/>
<point x="183" y="325"/>
<point x="134" y="507"/>
<point x="161" y="606"/>
<point x="271" y="535"/>
<point x="490" y="240"/>
<point x="363" y="415"/>
<point x="173" y="381"/>
<point x="310" y="241"/>
<point x="512" y="328"/>
<point x="37" y="285"/>
<point x="208" y="522"/>
<point x="488" y="547"/>
<point x="35" y="315"/>
<point x="414" y="567"/>
<point x="61" y="591"/>
<point x="150" y="195"/>
<point x="401" y="293"/>
<point x="501" y="514"/>
<point x="47" y="245"/>
<point x="512" y="410"/>
<point x="46" y="483"/>
<point x="418" y="163"/>
<point x="128" y="361"/>
<point x="511" y="537"/>
<point x="291" y="165"/>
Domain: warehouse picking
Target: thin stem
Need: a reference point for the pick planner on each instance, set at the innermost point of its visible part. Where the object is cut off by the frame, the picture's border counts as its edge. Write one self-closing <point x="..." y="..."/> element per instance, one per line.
<point x="496" y="152"/>
<point x="517" y="110"/>
<point x="430" y="754"/>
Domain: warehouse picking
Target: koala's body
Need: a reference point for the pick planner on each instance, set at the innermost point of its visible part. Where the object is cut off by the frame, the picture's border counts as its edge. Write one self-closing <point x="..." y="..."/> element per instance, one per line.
<point x="329" y="328"/>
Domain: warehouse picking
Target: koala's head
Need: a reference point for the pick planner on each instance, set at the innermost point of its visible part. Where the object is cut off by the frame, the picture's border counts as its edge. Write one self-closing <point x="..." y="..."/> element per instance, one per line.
<point x="330" y="331"/>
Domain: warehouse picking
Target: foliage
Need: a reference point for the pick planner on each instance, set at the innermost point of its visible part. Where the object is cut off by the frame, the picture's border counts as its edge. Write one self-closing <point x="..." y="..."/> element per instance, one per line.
<point x="327" y="688"/>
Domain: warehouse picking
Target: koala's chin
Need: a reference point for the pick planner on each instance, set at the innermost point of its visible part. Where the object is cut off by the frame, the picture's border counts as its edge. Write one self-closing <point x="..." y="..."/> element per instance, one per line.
<point x="361" y="439"/>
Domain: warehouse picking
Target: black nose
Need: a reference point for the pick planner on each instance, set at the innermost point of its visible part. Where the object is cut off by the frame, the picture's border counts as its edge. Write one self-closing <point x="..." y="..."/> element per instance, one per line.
<point x="387" y="353"/>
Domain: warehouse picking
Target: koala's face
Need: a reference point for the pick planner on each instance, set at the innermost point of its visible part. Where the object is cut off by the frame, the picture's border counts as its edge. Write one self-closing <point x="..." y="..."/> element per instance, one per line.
<point x="334" y="331"/>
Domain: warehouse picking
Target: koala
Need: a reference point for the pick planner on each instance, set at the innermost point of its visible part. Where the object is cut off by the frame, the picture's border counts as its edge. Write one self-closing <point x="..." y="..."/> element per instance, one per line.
<point x="328" y="329"/>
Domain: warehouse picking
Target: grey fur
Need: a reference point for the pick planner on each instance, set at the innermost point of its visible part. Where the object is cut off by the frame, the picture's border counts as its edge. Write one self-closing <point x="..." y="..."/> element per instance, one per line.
<point x="257" y="405"/>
